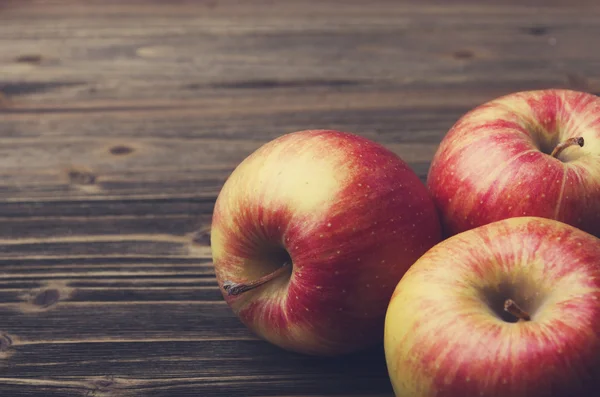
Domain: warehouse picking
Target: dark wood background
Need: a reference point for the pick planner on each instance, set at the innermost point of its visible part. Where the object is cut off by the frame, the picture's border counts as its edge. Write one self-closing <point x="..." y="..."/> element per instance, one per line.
<point x="120" y="120"/>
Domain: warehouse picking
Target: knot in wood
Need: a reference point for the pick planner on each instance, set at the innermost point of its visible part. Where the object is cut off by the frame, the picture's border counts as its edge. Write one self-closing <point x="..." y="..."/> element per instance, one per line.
<point x="120" y="150"/>
<point x="5" y="342"/>
<point x="46" y="298"/>
<point x="201" y="237"/>
<point x="537" y="30"/>
<point x="29" y="58"/>
<point x="82" y="177"/>
<point x="463" y="54"/>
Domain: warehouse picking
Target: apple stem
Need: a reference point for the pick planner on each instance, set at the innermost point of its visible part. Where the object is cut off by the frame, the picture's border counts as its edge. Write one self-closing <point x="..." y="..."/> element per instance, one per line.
<point x="233" y="288"/>
<point x="563" y="145"/>
<point x="514" y="309"/>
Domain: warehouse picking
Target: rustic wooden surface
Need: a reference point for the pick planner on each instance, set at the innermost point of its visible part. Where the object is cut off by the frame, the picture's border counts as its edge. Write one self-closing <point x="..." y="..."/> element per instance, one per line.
<point x="119" y="122"/>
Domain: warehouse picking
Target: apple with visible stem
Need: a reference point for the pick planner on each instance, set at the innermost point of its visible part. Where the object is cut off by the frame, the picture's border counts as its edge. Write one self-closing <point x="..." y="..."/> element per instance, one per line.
<point x="530" y="153"/>
<point x="310" y="235"/>
<point x="507" y="309"/>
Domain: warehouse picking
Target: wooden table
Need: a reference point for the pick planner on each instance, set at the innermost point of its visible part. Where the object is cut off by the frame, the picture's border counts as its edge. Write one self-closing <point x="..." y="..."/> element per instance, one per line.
<point x="120" y="120"/>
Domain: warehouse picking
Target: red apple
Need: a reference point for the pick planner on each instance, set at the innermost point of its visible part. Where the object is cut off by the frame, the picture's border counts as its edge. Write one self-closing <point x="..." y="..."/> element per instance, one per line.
<point x="532" y="153"/>
<point x="310" y="235"/>
<point x="508" y="309"/>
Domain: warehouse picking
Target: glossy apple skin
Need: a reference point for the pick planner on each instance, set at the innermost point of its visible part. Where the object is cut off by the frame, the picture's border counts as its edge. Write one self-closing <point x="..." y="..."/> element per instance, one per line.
<point x="443" y="337"/>
<point x="351" y="215"/>
<point x="494" y="163"/>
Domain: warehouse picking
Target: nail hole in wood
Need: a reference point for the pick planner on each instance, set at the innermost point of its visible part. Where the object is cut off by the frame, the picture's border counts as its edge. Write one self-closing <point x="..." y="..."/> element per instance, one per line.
<point x="120" y="150"/>
<point x="46" y="298"/>
<point x="82" y="177"/>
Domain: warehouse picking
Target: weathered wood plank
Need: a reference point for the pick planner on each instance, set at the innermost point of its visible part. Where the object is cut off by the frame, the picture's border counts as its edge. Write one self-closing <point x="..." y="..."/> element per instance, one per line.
<point x="51" y="319"/>
<point x="120" y="245"/>
<point x="197" y="51"/>
<point x="202" y="359"/>
<point x="61" y="168"/>
<point x="251" y="387"/>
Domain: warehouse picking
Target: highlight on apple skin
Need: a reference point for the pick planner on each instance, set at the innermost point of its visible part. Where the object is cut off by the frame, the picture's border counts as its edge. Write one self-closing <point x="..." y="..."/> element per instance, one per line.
<point x="310" y="235"/>
<point x="508" y="309"/>
<point x="530" y="153"/>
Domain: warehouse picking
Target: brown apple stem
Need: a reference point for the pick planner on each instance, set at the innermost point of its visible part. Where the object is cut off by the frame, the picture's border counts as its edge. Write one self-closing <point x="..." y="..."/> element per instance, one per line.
<point x="233" y="288"/>
<point x="565" y="144"/>
<point x="514" y="309"/>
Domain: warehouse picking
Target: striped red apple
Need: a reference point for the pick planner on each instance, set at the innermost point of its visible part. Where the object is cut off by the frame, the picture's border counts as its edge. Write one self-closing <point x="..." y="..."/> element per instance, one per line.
<point x="531" y="153"/>
<point x="310" y="235"/>
<point x="507" y="309"/>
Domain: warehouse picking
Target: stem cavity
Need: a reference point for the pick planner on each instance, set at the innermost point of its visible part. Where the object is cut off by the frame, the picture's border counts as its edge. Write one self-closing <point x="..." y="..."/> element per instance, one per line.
<point x="565" y="144"/>
<point x="233" y="288"/>
<point x="514" y="309"/>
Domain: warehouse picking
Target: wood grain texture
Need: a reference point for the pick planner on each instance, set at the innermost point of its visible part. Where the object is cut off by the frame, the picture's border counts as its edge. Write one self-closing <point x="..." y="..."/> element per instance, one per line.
<point x="120" y="121"/>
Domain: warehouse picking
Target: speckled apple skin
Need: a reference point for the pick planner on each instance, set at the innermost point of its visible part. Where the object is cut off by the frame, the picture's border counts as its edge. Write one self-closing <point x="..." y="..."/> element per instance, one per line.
<point x="495" y="162"/>
<point x="353" y="217"/>
<point x="445" y="335"/>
